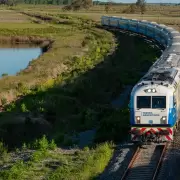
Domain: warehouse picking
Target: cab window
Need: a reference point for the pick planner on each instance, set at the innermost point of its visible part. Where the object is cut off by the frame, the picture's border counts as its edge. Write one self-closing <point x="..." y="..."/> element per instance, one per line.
<point x="158" y="102"/>
<point x="154" y="102"/>
<point x="143" y="102"/>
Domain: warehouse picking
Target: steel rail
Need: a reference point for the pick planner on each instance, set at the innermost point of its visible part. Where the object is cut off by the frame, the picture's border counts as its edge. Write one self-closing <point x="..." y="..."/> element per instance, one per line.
<point x="131" y="162"/>
<point x="147" y="160"/>
<point x="160" y="161"/>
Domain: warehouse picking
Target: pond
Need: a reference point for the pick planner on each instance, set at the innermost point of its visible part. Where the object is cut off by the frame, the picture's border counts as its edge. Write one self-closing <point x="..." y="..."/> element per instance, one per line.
<point x="16" y="58"/>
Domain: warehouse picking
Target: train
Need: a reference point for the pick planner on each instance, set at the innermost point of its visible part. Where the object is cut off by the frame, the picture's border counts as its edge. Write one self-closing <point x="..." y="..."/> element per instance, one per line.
<point x="155" y="99"/>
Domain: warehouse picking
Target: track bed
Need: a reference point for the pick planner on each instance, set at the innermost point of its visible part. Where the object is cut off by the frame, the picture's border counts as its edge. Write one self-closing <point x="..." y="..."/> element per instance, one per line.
<point x="145" y="163"/>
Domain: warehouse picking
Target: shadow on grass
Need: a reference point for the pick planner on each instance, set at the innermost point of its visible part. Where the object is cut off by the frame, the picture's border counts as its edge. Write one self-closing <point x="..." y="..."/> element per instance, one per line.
<point x="81" y="103"/>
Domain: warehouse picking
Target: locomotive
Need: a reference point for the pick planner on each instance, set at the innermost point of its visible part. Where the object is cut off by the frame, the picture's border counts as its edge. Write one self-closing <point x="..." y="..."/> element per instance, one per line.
<point x="155" y="98"/>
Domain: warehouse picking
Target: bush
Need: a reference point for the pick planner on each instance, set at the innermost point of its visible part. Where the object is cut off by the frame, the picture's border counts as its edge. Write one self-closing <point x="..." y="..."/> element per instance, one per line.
<point x="52" y="145"/>
<point x="4" y="74"/>
<point x="113" y="127"/>
<point x="3" y="149"/>
<point x="24" y="108"/>
<point x="43" y="144"/>
<point x="3" y="101"/>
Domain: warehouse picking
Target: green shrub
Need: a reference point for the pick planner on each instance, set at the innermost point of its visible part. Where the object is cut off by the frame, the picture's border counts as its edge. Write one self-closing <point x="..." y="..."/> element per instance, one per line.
<point x="4" y="74"/>
<point x="24" y="108"/>
<point x="24" y="146"/>
<point x="3" y="149"/>
<point x="52" y="145"/>
<point x="3" y="101"/>
<point x="41" y="144"/>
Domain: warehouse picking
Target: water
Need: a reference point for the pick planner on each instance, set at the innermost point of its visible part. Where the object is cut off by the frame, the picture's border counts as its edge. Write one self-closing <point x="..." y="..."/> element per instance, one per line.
<point x="13" y="59"/>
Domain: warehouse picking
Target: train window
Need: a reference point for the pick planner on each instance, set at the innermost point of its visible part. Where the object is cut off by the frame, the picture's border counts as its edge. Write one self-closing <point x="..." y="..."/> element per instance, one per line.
<point x="174" y="100"/>
<point x="143" y="102"/>
<point x="150" y="30"/>
<point x="134" y="25"/>
<point x="158" y="102"/>
<point x="113" y="22"/>
<point x="122" y="22"/>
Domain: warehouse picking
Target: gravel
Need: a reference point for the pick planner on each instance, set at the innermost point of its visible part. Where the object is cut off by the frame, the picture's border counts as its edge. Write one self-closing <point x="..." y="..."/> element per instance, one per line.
<point x="119" y="162"/>
<point x="171" y="162"/>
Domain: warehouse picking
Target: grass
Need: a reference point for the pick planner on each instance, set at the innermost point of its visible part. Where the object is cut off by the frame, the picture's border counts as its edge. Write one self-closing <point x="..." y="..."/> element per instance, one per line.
<point x="67" y="38"/>
<point x="56" y="164"/>
<point x="9" y="16"/>
<point x="168" y="15"/>
<point x="11" y="26"/>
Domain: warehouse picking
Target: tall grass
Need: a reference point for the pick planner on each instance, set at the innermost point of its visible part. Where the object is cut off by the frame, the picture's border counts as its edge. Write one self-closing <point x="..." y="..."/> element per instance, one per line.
<point x="93" y="163"/>
<point x="83" y="164"/>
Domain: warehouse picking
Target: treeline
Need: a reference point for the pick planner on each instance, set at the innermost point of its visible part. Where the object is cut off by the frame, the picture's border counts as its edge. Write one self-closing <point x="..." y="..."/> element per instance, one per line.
<point x="53" y="2"/>
<point x="68" y="2"/>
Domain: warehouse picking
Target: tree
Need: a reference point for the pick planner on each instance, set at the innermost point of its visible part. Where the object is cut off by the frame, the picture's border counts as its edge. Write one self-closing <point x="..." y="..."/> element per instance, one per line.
<point x="140" y="2"/>
<point x="8" y="2"/>
<point x="3" y="1"/>
<point x="143" y="9"/>
<point x="78" y="4"/>
<point x="132" y="8"/>
<point x="108" y="6"/>
<point x="142" y="5"/>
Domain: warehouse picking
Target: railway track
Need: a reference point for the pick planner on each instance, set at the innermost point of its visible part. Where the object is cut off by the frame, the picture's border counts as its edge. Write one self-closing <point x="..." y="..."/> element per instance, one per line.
<point x="145" y="163"/>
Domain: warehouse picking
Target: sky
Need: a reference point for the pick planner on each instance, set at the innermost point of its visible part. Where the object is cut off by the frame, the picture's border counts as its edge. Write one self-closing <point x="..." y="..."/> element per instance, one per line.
<point x="149" y="1"/>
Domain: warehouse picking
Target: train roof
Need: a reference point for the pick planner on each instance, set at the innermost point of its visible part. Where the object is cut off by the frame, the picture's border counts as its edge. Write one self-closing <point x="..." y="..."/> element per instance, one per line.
<point x="166" y="70"/>
<point x="163" y="71"/>
<point x="173" y="48"/>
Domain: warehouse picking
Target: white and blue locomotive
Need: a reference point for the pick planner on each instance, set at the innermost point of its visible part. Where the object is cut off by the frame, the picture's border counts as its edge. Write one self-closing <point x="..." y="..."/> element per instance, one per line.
<point x="155" y="99"/>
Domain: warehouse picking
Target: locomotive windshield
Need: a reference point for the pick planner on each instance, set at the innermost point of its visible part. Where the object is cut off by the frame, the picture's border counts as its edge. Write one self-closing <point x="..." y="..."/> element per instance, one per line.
<point x="143" y="102"/>
<point x="159" y="102"/>
<point x="154" y="102"/>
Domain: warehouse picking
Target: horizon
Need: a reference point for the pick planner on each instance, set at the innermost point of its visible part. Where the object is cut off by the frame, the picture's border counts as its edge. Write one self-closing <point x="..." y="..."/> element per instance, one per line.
<point x="149" y="1"/>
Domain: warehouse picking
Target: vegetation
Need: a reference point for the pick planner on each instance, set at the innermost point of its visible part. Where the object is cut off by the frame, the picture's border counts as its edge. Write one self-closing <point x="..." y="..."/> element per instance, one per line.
<point x="54" y="164"/>
<point x="78" y="4"/>
<point x="63" y="93"/>
<point x="78" y="97"/>
<point x="142" y="5"/>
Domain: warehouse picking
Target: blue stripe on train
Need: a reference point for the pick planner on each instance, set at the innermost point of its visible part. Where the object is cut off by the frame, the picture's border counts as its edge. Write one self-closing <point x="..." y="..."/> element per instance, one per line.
<point x="172" y="116"/>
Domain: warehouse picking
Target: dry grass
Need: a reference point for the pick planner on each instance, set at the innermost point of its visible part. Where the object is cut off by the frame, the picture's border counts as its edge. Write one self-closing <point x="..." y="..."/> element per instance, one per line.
<point x="169" y="15"/>
<point x="11" y="16"/>
<point x="15" y="25"/>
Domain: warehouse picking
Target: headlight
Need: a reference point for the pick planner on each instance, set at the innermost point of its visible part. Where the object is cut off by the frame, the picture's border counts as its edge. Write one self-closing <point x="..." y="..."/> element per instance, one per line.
<point x="164" y="120"/>
<point x="150" y="90"/>
<point x="138" y="119"/>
